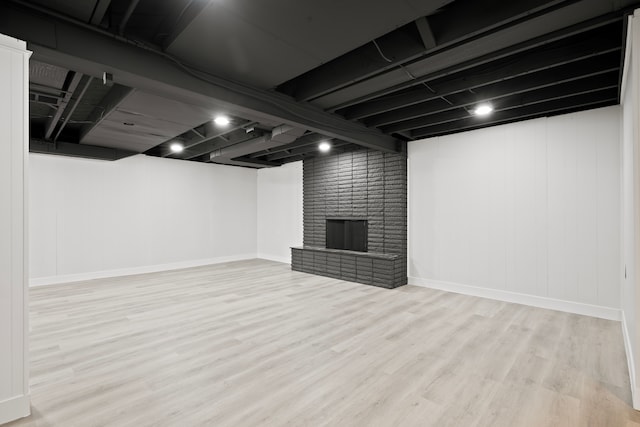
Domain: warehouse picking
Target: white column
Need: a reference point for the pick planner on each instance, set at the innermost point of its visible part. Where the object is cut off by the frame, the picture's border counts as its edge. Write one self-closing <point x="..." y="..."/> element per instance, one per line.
<point x="14" y="147"/>
<point x="630" y="205"/>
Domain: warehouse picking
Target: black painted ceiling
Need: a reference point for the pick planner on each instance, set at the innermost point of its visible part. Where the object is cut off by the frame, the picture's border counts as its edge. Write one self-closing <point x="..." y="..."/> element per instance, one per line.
<point x="372" y="73"/>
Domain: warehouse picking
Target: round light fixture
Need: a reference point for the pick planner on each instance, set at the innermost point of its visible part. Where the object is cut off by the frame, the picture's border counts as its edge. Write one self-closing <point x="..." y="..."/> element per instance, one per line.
<point x="483" y="110"/>
<point x="324" y="146"/>
<point x="176" y="147"/>
<point x="221" y="120"/>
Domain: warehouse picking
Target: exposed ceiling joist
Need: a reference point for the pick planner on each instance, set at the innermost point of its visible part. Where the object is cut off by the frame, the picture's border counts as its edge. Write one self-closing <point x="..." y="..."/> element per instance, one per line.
<point x="413" y="41"/>
<point x="383" y="53"/>
<point x="185" y="17"/>
<point x="73" y="105"/>
<point x="476" y="45"/>
<point x="91" y="51"/>
<point x="244" y="162"/>
<point x="420" y="74"/>
<point x="279" y="136"/>
<point x="426" y="33"/>
<point x="565" y="105"/>
<point x="572" y="88"/>
<point x="197" y="141"/>
<point x="302" y="150"/>
<point x="525" y="83"/>
<point x="505" y="68"/>
<point x="99" y="11"/>
<point x="197" y="147"/>
<point x="108" y="104"/>
<point x="69" y="89"/>
<point x="305" y="140"/>
<point x="481" y="17"/>
<point x="467" y="60"/>
<point x="216" y="138"/>
<point x="127" y="15"/>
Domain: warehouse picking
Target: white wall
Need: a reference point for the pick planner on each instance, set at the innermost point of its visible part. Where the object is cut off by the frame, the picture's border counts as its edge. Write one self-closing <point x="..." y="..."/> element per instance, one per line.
<point x="14" y="134"/>
<point x="530" y="208"/>
<point x="279" y="211"/>
<point x="630" y="210"/>
<point x="94" y="218"/>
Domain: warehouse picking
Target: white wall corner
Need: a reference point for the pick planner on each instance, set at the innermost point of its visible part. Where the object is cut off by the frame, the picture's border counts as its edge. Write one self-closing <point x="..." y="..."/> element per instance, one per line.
<point x="15" y="408"/>
<point x="601" y="312"/>
<point x="276" y="258"/>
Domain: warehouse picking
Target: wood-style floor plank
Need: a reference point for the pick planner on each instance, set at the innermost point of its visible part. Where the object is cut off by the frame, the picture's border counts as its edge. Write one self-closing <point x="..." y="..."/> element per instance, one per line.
<point x="253" y="343"/>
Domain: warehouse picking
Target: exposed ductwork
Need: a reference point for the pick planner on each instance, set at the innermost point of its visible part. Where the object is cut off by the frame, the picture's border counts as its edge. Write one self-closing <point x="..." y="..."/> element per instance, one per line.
<point x="280" y="135"/>
<point x="286" y="134"/>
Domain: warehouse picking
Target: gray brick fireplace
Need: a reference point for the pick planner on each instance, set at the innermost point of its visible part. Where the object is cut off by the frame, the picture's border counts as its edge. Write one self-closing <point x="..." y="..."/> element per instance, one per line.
<point x="358" y="185"/>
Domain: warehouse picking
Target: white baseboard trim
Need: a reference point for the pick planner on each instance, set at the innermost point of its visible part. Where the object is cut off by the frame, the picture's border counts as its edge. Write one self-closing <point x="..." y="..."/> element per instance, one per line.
<point x="635" y="393"/>
<point x="532" y="300"/>
<point x="285" y="260"/>
<point x="15" y="408"/>
<point x="80" y="277"/>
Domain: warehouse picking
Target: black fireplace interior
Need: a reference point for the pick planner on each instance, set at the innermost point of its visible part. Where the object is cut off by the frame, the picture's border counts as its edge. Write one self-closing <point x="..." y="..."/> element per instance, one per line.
<point x="347" y="234"/>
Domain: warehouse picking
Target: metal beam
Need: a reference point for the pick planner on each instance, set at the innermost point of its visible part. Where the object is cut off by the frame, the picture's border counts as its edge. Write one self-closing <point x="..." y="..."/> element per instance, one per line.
<point x="92" y="51"/>
<point x="62" y="104"/>
<point x="78" y="150"/>
<point x="109" y="103"/>
<point x="577" y="103"/>
<point x="552" y="55"/>
<point x="99" y="11"/>
<point x="73" y="107"/>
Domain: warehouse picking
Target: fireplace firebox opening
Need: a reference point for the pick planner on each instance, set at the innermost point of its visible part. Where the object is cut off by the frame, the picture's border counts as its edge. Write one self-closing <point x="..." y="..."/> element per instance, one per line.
<point x="347" y="234"/>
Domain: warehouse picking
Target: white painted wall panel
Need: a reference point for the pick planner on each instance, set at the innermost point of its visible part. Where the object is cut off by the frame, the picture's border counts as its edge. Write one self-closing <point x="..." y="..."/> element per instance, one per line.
<point x="93" y="216"/>
<point x="14" y="134"/>
<point x="530" y="208"/>
<point x="630" y="204"/>
<point x="608" y="232"/>
<point x="279" y="211"/>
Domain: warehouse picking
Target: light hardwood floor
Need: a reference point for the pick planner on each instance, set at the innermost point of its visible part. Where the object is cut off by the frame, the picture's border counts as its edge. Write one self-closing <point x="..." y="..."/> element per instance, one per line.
<point x="253" y="343"/>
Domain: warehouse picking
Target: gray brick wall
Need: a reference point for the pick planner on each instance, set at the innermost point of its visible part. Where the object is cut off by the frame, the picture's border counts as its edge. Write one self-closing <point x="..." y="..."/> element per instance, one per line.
<point x="363" y="184"/>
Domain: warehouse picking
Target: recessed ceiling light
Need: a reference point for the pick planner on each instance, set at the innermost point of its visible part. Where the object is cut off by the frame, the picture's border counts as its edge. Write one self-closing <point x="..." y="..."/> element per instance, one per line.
<point x="176" y="147"/>
<point x="483" y="110"/>
<point x="221" y="120"/>
<point x="324" y="146"/>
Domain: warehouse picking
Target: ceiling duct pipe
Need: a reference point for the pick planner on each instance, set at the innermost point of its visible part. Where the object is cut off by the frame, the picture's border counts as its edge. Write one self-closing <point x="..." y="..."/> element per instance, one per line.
<point x="280" y="135"/>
